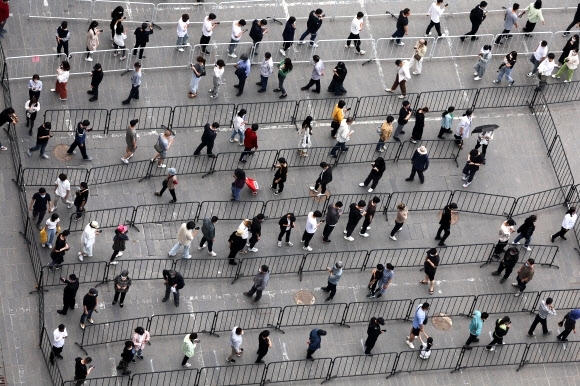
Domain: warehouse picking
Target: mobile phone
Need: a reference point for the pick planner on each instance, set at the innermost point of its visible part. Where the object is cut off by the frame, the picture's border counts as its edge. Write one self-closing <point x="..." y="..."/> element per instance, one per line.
<point x="322" y="220"/>
<point x="197" y="340"/>
<point x="348" y="109"/>
<point x="245" y="30"/>
<point x="446" y="4"/>
<point x="218" y="22"/>
<point x="196" y="228"/>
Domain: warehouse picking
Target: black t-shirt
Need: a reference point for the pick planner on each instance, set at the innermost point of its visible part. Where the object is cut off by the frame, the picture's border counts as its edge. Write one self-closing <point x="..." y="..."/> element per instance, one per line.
<point x="402" y="115"/>
<point x="263" y="345"/>
<point x="58" y="256"/>
<point x="71" y="288"/>
<point x="90" y="301"/>
<point x="40" y="203"/>
<point x="402" y="21"/>
<point x="42" y="132"/>
<point x="80" y="369"/>
<point x="371" y="209"/>
<point x="5" y="117"/>
<point x="80" y="196"/>
<point x="354" y="214"/>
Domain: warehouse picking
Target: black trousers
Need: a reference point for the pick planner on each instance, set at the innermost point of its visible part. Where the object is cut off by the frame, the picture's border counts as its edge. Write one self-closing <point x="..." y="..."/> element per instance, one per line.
<point x="279" y="185"/>
<point x="474" y="29"/>
<point x="261" y="356"/>
<point x="256" y="291"/>
<point x="508" y="270"/>
<point x="82" y="147"/>
<point x="203" y="41"/>
<point x="446" y="232"/>
<point x="307" y="237"/>
<point x="350" y="226"/>
<point x="543" y="322"/>
<point x="504" y="34"/>
<point x="327" y="231"/>
<point x="62" y="45"/>
<point x="114" y="255"/>
<point x="529" y="27"/>
<point x="171" y="191"/>
<point x="313" y="83"/>
<point x="472" y="338"/>
<point x="69" y="303"/>
<point x="564" y="334"/>
<point x="431" y="25"/>
<point x="483" y="148"/>
<point x="419" y="172"/>
<point x="398" y="225"/>
<point x="185" y="359"/>
<point x="247" y="151"/>
<point x="374" y="178"/>
<point x="356" y="40"/>
<point x="55" y="352"/>
<point x="253" y="240"/>
<point x="232" y="254"/>
<point x="203" y="144"/>
<point x="369" y="344"/>
<point x="365" y="225"/>
<point x="241" y="83"/>
<point x="283" y="232"/>
<point x="140" y="46"/>
<point x="116" y="298"/>
<point x="209" y="243"/>
<point x="318" y="183"/>
<point x="494" y="341"/>
<point x="331" y="288"/>
<point x="309" y="353"/>
<point x="94" y="91"/>
<point x="499" y="247"/>
<point x="560" y="233"/>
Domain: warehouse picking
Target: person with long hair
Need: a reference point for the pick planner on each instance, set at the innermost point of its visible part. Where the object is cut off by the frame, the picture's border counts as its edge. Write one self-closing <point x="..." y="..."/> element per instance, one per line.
<point x="378" y="168"/>
<point x="506" y="68"/>
<point x="305" y="137"/>
<point x="338" y="77"/>
<point x="288" y="34"/>
<point x="92" y="39"/>
<point x="32" y="108"/>
<point x="570" y="65"/>
<point x="34" y="87"/>
<point x="430" y="267"/>
<point x="62" y="75"/>
<point x="417" y="132"/>
<point x="483" y="59"/>
<point x="567" y="224"/>
<point x="572" y="44"/>
<point x="420" y="51"/>
<point x="446" y="121"/>
<point x="198" y="70"/>
<point x="285" y="66"/>
<point x="464" y="129"/>
<point x="117" y="14"/>
<point x="402" y="212"/>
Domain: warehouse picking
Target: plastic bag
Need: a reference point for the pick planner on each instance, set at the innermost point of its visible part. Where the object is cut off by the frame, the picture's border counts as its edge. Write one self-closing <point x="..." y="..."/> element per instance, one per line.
<point x="43" y="236"/>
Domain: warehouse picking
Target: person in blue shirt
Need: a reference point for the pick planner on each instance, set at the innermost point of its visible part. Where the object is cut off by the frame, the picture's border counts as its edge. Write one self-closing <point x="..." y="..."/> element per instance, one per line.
<point x="242" y="72"/>
<point x="314" y="342"/>
<point x="418" y="320"/>
<point x="80" y="138"/>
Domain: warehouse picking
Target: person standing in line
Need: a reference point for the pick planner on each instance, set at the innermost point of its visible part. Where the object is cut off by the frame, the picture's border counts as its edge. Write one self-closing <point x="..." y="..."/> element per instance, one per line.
<point x="126" y="358"/>
<point x="538" y="57"/>
<point x="238" y="184"/>
<point x="571" y="44"/>
<point x="96" y="79"/>
<point x="130" y="140"/>
<point x="502" y="327"/>
<point x="9" y="116"/>
<point x="242" y="72"/>
<point x="81" y="198"/>
<point x="336" y="85"/>
<point x="483" y="60"/>
<point x="575" y="21"/>
<point x="88" y="240"/>
<point x="236" y="344"/>
<point x="509" y="261"/>
<point x="369" y="215"/>
<point x="510" y="20"/>
<point x="404" y="116"/>
<point x="288" y="35"/>
<point x="342" y="137"/>
<point x="569" y="324"/>
<point x="525" y="275"/>
<point x="257" y="32"/>
<point x="236" y="244"/>
<point x="311" y="227"/>
<point x="570" y="65"/>
<point x="376" y="275"/>
<point x="264" y="343"/>
<point x="445" y="223"/>
<point x="417" y="133"/>
<point x="418" y="323"/>
<point x="169" y="183"/>
<point x="57" y="254"/>
<point x="534" y="11"/>
<point x="285" y="66"/>
<point x="92" y="39"/>
<point x="218" y="72"/>
<point x="333" y="213"/>
<point x="402" y="212"/>
<point x="286" y="224"/>
<point x="356" y="212"/>
<point x="476" y="17"/>
<point x="135" y="84"/>
<point x="39" y="204"/>
<point x="208" y="139"/>
<point x="122" y="284"/>
<point x="386" y="131"/>
<point x="567" y="224"/>
<point x="186" y="234"/>
<point x="483" y="139"/>
<point x="315" y="19"/>
<point x="475" y="328"/>
<point x="401" y="79"/>
<point x="237" y="32"/>
<point x="314" y="342"/>
<point x="182" y="36"/>
<point x="59" y="335"/>
<point x="420" y="52"/>
<point x="356" y="25"/>
<point x="280" y="176"/>
<point x="32" y="108"/>
<point x="446" y="122"/>
<point x="420" y="162"/>
<point x="266" y="69"/>
<point x="142" y="38"/>
<point x="206" y="31"/>
<point x="34" y="87"/>
<point x="430" y="265"/>
<point x="90" y="301"/>
<point x="62" y="75"/>
<point x="305" y="135"/>
<point x="506" y="68"/>
<point x="373" y="333"/>
<point x="81" y="369"/>
<point x="80" y="140"/>
<point x="384" y="282"/>
<point x="42" y="137"/>
<point x="463" y="130"/>
<point x="402" y="26"/>
<point x="173" y="283"/>
<point x="545" y="70"/>
<point x="119" y="40"/>
<point x="70" y="290"/>
<point x="140" y="339"/>
<point x="250" y="142"/>
<point x="526" y="230"/>
<point x="62" y="37"/>
<point x="505" y="231"/>
<point x="260" y="283"/>
<point x="256" y="229"/>
<point x="474" y="161"/>
<point x="208" y="231"/>
<point x="50" y="229"/>
<point x="323" y="179"/>
<point x="162" y="146"/>
<point x="198" y="70"/>
<point x="117" y="15"/>
<point x="119" y="243"/>
<point x="435" y="11"/>
<point x="337" y="117"/>
<point x="4" y="15"/>
<point x="546" y="308"/>
<point x="188" y="346"/>
<point x="376" y="173"/>
<point x="239" y="124"/>
<point x="317" y="74"/>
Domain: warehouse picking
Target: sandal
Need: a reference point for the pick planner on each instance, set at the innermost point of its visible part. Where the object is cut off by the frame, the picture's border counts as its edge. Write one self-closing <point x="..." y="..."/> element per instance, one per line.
<point x="424" y="282"/>
<point x="430" y="292"/>
<point x="192" y="95"/>
<point x="157" y="194"/>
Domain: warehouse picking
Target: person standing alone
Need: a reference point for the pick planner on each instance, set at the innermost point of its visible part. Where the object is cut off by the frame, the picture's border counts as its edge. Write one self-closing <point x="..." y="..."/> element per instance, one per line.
<point x="334" y="275"/>
<point x="356" y="212"/>
<point x="356" y="26"/>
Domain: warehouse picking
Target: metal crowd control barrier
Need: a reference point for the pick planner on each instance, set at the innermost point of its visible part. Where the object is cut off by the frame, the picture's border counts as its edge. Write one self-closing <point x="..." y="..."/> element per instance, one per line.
<point x="382" y="105"/>
<point x="366" y="153"/>
<point x="271" y="112"/>
<point x="205" y="268"/>
<point x="386" y="49"/>
<point x="436" y="149"/>
<point x="560" y="163"/>
<point x="199" y="115"/>
<point x="444" y="305"/>
<point x="362" y="365"/>
<point x="299" y="53"/>
<point x="541" y="200"/>
<point x="259" y="159"/>
<point x="300" y="206"/>
<point x="544" y="119"/>
<point x="47" y="176"/>
<point x="181" y="324"/>
<point x="230" y="375"/>
<point x="149" y="118"/>
<point x="250" y="318"/>
<point x="135" y="12"/>
<point x="289" y="264"/>
<point x="504" y="303"/>
<point x="66" y="121"/>
<point x="109" y="332"/>
<point x="135" y="170"/>
<point x="309" y="315"/>
<point x="230" y="11"/>
<point x="565" y="299"/>
<point x="45" y="346"/>
<point x="107" y="218"/>
<point x="497" y="97"/>
<point x="296" y="370"/>
<point x="230" y="210"/>
<point x="170" y="13"/>
<point x="362" y="312"/>
<point x="79" y="10"/>
<point x="313" y="155"/>
<point x="454" y="47"/>
<point x="520" y="42"/>
<point x="221" y="51"/>
<point x="504" y="355"/>
<point x="560" y="92"/>
<point x="160" y="213"/>
<point x="158" y="58"/>
<point x="335" y="50"/>
<point x="90" y="272"/>
<point x="415" y="257"/>
<point x="550" y="352"/>
<point x="317" y="262"/>
<point x="321" y="109"/>
<point x="439" y="101"/>
<point x="483" y="203"/>
<point x="419" y="200"/>
<point x="173" y="377"/>
<point x="440" y="359"/>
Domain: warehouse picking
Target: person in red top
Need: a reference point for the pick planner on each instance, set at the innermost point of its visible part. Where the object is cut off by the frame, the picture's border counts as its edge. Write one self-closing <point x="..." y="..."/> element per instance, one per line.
<point x="250" y="142"/>
<point x="4" y="15"/>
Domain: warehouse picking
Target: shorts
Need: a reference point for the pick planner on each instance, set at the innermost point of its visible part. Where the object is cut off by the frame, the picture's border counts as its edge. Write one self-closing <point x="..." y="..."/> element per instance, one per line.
<point x="430" y="275"/>
<point x="130" y="148"/>
<point x="415" y="331"/>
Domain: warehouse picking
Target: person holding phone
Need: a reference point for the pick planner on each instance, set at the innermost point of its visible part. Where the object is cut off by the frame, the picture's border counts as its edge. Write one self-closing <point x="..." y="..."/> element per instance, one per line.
<point x="82" y="370"/>
<point x="334" y="275"/>
<point x="93" y="39"/>
<point x="435" y="11"/>
<point x="188" y="348"/>
<point x="206" y="31"/>
<point x="373" y="333"/>
<point x="187" y="232"/>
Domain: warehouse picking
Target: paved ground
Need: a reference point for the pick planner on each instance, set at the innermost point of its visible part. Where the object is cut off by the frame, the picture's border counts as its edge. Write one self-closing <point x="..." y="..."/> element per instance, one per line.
<point x="516" y="166"/>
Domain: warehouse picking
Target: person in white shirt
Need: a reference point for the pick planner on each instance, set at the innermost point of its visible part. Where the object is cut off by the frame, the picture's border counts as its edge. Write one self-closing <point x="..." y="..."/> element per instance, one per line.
<point x="464" y="128"/>
<point x="239" y="123"/>
<point x="236" y="344"/>
<point x="570" y="64"/>
<point x="311" y="227"/>
<point x="218" y="72"/>
<point x="545" y="69"/>
<point x="32" y="108"/>
<point x="317" y="74"/>
<point x="266" y="69"/>
<point x="403" y="75"/>
<point x="237" y="32"/>
<point x="435" y="11"/>
<point x="182" y="32"/>
<point x="62" y="191"/>
<point x="206" y="30"/>
<point x="59" y="336"/>
<point x="538" y="57"/>
<point x="50" y="228"/>
<point x="342" y="136"/>
<point x="119" y="40"/>
<point x="567" y="224"/>
<point x="355" y="27"/>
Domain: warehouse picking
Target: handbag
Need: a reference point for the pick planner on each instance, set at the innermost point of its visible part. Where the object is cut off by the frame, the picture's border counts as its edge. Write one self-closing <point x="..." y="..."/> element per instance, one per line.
<point x="157" y="147"/>
<point x="417" y="57"/>
<point x="58" y="229"/>
<point x="379" y="131"/>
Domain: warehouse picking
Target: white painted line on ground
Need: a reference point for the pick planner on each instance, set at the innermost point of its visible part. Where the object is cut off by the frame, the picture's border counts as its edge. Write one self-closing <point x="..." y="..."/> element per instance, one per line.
<point x="284" y="352"/>
<point x="111" y="360"/>
<point x="151" y="363"/>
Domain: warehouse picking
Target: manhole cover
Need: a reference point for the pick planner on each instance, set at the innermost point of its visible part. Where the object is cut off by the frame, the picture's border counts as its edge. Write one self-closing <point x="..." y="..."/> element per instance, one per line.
<point x="442" y="322"/>
<point x="454" y="217"/>
<point x="321" y="198"/>
<point x="304" y="297"/>
<point x="59" y="152"/>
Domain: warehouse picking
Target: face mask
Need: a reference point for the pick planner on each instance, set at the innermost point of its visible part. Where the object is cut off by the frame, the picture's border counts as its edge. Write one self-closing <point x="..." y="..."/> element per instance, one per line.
<point x="527" y="265"/>
<point x="43" y="195"/>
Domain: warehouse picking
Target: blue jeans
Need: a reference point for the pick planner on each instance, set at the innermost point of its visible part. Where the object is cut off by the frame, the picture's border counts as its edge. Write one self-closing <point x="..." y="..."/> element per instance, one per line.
<point x="176" y="247"/>
<point x="181" y="41"/>
<point x="507" y="71"/>
<point x="87" y="316"/>
<point x="50" y="233"/>
<point x="536" y="64"/>
<point x="193" y="84"/>
<point x="232" y="47"/>
<point x="398" y="34"/>
<point x="339" y="145"/>
<point x="240" y="133"/>
<point x="380" y="144"/>
<point x="312" y="36"/>
<point x="521" y="236"/>
<point x="236" y="193"/>
<point x="264" y="81"/>
<point x="39" y="146"/>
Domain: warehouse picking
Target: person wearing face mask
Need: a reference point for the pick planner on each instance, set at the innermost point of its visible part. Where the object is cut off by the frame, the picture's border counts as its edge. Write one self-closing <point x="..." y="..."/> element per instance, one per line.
<point x="525" y="275"/>
<point x="38" y="205"/>
<point x="569" y="66"/>
<point x="483" y="60"/>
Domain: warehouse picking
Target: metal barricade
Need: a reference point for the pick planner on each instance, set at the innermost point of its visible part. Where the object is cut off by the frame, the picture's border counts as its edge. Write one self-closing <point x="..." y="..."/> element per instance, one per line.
<point x="196" y="116"/>
<point x="440" y="359"/>
<point x="141" y="269"/>
<point x="270" y="112"/>
<point x="505" y="303"/>
<point x="173" y="377"/>
<point x="66" y="121"/>
<point x="297" y="370"/>
<point x="551" y="352"/>
<point x="308" y="315"/>
<point x="445" y="305"/>
<point x="541" y="200"/>
<point x="276" y="265"/>
<point x="362" y="365"/>
<point x="230" y="11"/>
<point x="299" y="53"/>
<point x="149" y="118"/>
<point x="503" y="355"/>
<point x="135" y="170"/>
<point x="59" y="9"/>
<point x="230" y="210"/>
<point x="165" y="57"/>
<point x="47" y="176"/>
<point x="22" y="67"/>
<point x="233" y="375"/>
<point x="135" y="12"/>
<point x="382" y="105"/>
<point x="366" y="153"/>
<point x="520" y="43"/>
<point x="250" y="318"/>
<point x="178" y="324"/>
<point x="462" y="99"/>
<point x="482" y="203"/>
<point x="160" y="213"/>
<point x="170" y="13"/>
<point x="386" y="49"/>
<point x="335" y="50"/>
<point x="501" y="97"/>
<point x="437" y="149"/>
<point x="260" y="159"/>
<point x="318" y="262"/>
<point x="221" y="51"/>
<point x="109" y="332"/>
<point x="107" y="59"/>
<point x="87" y="272"/>
<point x="321" y="109"/>
<point x="107" y="218"/>
<point x="362" y="312"/>
<point x="454" y="47"/>
<point x="300" y="206"/>
<point x="205" y="268"/>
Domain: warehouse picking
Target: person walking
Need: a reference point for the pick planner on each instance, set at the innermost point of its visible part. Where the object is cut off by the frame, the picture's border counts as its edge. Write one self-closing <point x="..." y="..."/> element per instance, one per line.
<point x="402" y="213"/>
<point x="506" y="68"/>
<point x="445" y="223"/>
<point x="356" y="212"/>
<point x="119" y="243"/>
<point x="209" y="24"/>
<point x="534" y="11"/>
<point x="39" y="204"/>
<point x="384" y="282"/>
<point x="476" y="17"/>
<point x="288" y="35"/>
<point x="571" y="44"/>
<point x="237" y="31"/>
<point x="313" y="24"/>
<point x="239" y="123"/>
<point x="314" y="342"/>
<point x="80" y="139"/>
<point x="418" y="323"/>
<point x="417" y="132"/>
<point x="568" y="223"/>
<point x="186" y="234"/>
<point x="266" y="69"/>
<point x="130" y="140"/>
<point x="474" y="161"/>
<point x="569" y="324"/>
<point x="62" y="75"/>
<point x="430" y="265"/>
<point x="463" y="130"/>
<point x="402" y="26"/>
<point x="58" y="338"/>
<point x="446" y="122"/>
<point x="257" y="32"/>
<point x="126" y="358"/>
<point x="92" y="39"/>
<point x="280" y="176"/>
<point x="403" y="75"/>
<point x="188" y="346"/>
<point x="323" y="179"/>
<point x="96" y="79"/>
<point x="420" y="162"/>
<point x="525" y="275"/>
<point x="170" y="183"/>
<point x="483" y="60"/>
<point x="173" y="283"/>
<point x="420" y="52"/>
<point x="317" y="74"/>
<point x="510" y="20"/>
<point x="90" y="301"/>
<point x="119" y="41"/>
<point x="250" y="142"/>
<point x="435" y="11"/>
<point x="50" y="227"/>
<point x="198" y="70"/>
<point x="373" y="333"/>
<point x="242" y="72"/>
<point x="236" y="340"/>
<point x="376" y="275"/>
<point x="62" y="37"/>
<point x="385" y="133"/>
<point x="286" y="224"/>
<point x="32" y="108"/>
<point x="142" y="38"/>
<point x="135" y="83"/>
<point x="336" y="85"/>
<point x="526" y="230"/>
<point x="208" y="231"/>
<point x="256" y="229"/>
<point x="475" y="328"/>
<point x="218" y="72"/>
<point x="546" y="308"/>
<point x="376" y="173"/>
<point x="509" y="261"/>
<point x="575" y="21"/>
<point x="369" y="216"/>
<point x="570" y="65"/>
<point x="161" y="147"/>
<point x="264" y="343"/>
<point x="42" y="137"/>
<point x="70" y="290"/>
<point x="284" y="68"/>
<point x="334" y="275"/>
<point x="182" y="35"/>
<point x="502" y="327"/>
<point x="337" y="117"/>
<point x="34" y="89"/>
<point x="483" y="139"/>
<point x="305" y="134"/>
<point x="236" y="244"/>
<point x="260" y="283"/>
<point x="545" y="70"/>
<point x="425" y="350"/>
<point x="356" y="25"/>
<point x="333" y="213"/>
<point x="81" y="198"/>
<point x="81" y="369"/>
<point x="311" y="226"/>
<point x="238" y="184"/>
<point x="505" y="231"/>
<point x="140" y="339"/>
<point x="208" y="139"/>
<point x="117" y="15"/>
<point x="122" y="284"/>
<point x="342" y="137"/>
<point x="57" y="254"/>
<point x="538" y="57"/>
<point x="404" y="115"/>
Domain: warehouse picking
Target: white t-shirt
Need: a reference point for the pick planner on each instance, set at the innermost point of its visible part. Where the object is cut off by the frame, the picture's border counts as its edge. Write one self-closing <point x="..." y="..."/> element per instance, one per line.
<point x="120" y="39"/>
<point x="59" y="338"/>
<point x="435" y="12"/>
<point x="356" y="26"/>
<point x="466" y="124"/>
<point x="206" y="29"/>
<point x="182" y="28"/>
<point x="245" y="229"/>
<point x="218" y="72"/>
<point x="62" y="188"/>
<point x="546" y="67"/>
<point x="424" y="354"/>
<point x="236" y="29"/>
<point x="239" y="123"/>
<point x="541" y="52"/>
<point x="52" y="225"/>
<point x="311" y="223"/>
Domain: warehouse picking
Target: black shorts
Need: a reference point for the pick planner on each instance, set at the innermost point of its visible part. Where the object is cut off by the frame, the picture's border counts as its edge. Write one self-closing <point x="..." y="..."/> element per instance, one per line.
<point x="430" y="275"/>
<point x="415" y="331"/>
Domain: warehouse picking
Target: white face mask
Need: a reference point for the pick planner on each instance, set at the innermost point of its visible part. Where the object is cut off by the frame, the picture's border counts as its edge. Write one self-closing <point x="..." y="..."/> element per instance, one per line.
<point x="43" y="195"/>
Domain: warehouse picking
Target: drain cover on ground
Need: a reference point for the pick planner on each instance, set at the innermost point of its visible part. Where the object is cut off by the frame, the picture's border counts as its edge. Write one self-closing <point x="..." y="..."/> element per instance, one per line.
<point x="59" y="152"/>
<point x="303" y="297"/>
<point x="442" y="322"/>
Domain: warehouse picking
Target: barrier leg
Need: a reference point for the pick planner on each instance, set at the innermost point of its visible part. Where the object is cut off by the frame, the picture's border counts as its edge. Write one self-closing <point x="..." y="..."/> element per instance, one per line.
<point x="39" y="288"/>
<point x="148" y="173"/>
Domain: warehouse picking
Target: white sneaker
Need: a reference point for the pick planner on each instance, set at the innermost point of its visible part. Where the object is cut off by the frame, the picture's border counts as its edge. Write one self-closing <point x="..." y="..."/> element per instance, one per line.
<point x="363" y="234"/>
<point x="307" y="248"/>
<point x="289" y="243"/>
<point x="80" y="257"/>
<point x="393" y="238"/>
<point x="361" y="52"/>
<point x="119" y="254"/>
<point x="232" y="55"/>
<point x="314" y="45"/>
<point x="513" y="242"/>
<point x="241" y="143"/>
<point x="124" y="160"/>
<point x="349" y="238"/>
<point x="69" y="206"/>
<point x="464" y="178"/>
<point x="162" y="166"/>
<point x="416" y="73"/>
<point x="301" y="42"/>
<point x="529" y="74"/>
<point x="443" y="36"/>
<point x="410" y="344"/>
<point x="279" y="244"/>
<point x="475" y="73"/>
<point x="527" y="248"/>
<point x="253" y="249"/>
<point x="477" y="78"/>
<point x="202" y="247"/>
<point x="348" y="46"/>
<point x="361" y="184"/>
<point x="231" y="140"/>
<point x="466" y="184"/>
<point x="400" y="229"/>
<point x="282" y="52"/>
<point x="180" y="49"/>
<point x="400" y="44"/>
<point x="344" y="232"/>
<point x="554" y="76"/>
<point x="89" y="59"/>
<point x="43" y="245"/>
<point x="114" y="262"/>
<point x="429" y="34"/>
<point x="44" y="156"/>
<point x="566" y="81"/>
<point x="370" y="190"/>
<point x="187" y="257"/>
<point x="320" y="195"/>
<point x="212" y="253"/>
<point x="388" y="90"/>
<point x="49" y="246"/>
<point x="369" y="228"/>
<point x="187" y="365"/>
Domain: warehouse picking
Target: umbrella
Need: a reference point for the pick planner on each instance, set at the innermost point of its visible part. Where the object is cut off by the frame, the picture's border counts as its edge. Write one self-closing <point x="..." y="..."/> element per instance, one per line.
<point x="484" y="128"/>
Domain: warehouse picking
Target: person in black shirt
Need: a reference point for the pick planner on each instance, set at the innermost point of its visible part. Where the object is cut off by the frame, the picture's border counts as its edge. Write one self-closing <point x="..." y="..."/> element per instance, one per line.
<point x="373" y="333"/>
<point x="81" y="370"/>
<point x="236" y="243"/>
<point x="332" y="216"/>
<point x="323" y="179"/>
<point x="286" y="224"/>
<point x="173" y="283"/>
<point x="126" y="358"/>
<point x="313" y="24"/>
<point x="81" y="197"/>
<point x="402" y="23"/>
<point x="96" y="79"/>
<point x="62" y="35"/>
<point x="369" y="215"/>
<point x="257" y="33"/>
<point x="70" y="292"/>
<point x="208" y="139"/>
<point x="256" y="229"/>
<point x="404" y="115"/>
<point x="42" y="137"/>
<point x="476" y="16"/>
<point x="356" y="211"/>
<point x="7" y="116"/>
<point x="90" y="301"/>
<point x="264" y="343"/>
<point x="57" y="254"/>
<point x="38" y="205"/>
<point x="445" y="224"/>
<point x="280" y="176"/>
<point x="142" y="38"/>
<point x="339" y="75"/>
<point x="474" y="161"/>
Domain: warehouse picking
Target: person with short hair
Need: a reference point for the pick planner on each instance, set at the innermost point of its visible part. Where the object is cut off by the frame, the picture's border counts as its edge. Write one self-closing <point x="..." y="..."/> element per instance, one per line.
<point x="235" y="344"/>
<point x="402" y="213"/>
<point x="333" y="213"/>
<point x="403" y="75"/>
<point x="42" y="137"/>
<point x="80" y="140"/>
<point x="509" y="261"/>
<point x="81" y="370"/>
<point x="90" y="301"/>
<point x="59" y="335"/>
<point x="96" y="79"/>
<point x="317" y="74"/>
<point x="525" y="275"/>
<point x="260" y="283"/>
<point x="435" y="11"/>
<point x="567" y="223"/>
<point x="570" y="65"/>
<point x="545" y="70"/>
<point x="430" y="265"/>
<point x="474" y="161"/>
<point x="140" y="339"/>
<point x="369" y="216"/>
<point x="122" y="284"/>
<point x="373" y="333"/>
<point x="257" y="32"/>
<point x="208" y="25"/>
<point x="356" y="212"/>
<point x="418" y="323"/>
<point x="39" y="204"/>
<point x="356" y="25"/>
<point x="286" y="224"/>
<point x="70" y="290"/>
<point x="288" y="35"/>
<point x="323" y="179"/>
<point x="242" y="67"/>
<point x="250" y="142"/>
<point x="187" y="232"/>
<point x="126" y="358"/>
<point x="237" y="32"/>
<point x="62" y="36"/>
<point x="569" y="324"/>
<point x="546" y="308"/>
<point x="405" y="113"/>
<point x="130" y="140"/>
<point x="238" y="184"/>
<point x="188" y="346"/>
<point x="313" y="24"/>
<point x="314" y="340"/>
<point x="81" y="198"/>
<point x="264" y="343"/>
<point x="476" y="17"/>
<point x="505" y="230"/>
<point x="342" y="137"/>
<point x="502" y="327"/>
<point x="182" y="35"/>
<point x="420" y="164"/>
<point x="280" y="176"/>
<point x="32" y="107"/>
<point x="538" y="57"/>
<point x="334" y="275"/>
<point x="311" y="226"/>
<point x="135" y="83"/>
<point x="208" y="231"/>
<point x="510" y="20"/>
<point x="266" y="69"/>
<point x="142" y="38"/>
<point x="376" y="173"/>
<point x="256" y="229"/>
<point x="198" y="70"/>
<point x="236" y="243"/>
<point x="475" y="328"/>
<point x="173" y="283"/>
<point x="376" y="274"/>
<point x="402" y="26"/>
<point x="383" y="282"/>
<point x="445" y="223"/>
<point x="208" y="139"/>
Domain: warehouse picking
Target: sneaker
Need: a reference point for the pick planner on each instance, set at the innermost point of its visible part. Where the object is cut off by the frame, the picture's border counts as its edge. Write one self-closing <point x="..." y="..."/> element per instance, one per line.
<point x="212" y="253"/>
<point x="475" y="73"/>
<point x="401" y="96"/>
<point x="187" y="365"/>
<point x="253" y="249"/>
<point x="307" y="248"/>
<point x="114" y="262"/>
<point x="328" y="299"/>
<point x="361" y="184"/>
<point x="279" y="244"/>
<point x="180" y="49"/>
<point x="230" y="360"/>
<point x="125" y="161"/>
<point x="476" y="78"/>
<point x="289" y="244"/>
<point x="361" y="52"/>
<point x="371" y="296"/>
<point x="162" y="166"/>
<point x="529" y="74"/>
<point x="464" y="178"/>
<point x="511" y="83"/>
<point x="495" y="273"/>
<point x="443" y="35"/>
<point x="502" y="280"/>
<point x="53" y="89"/>
<point x="566" y="81"/>
<point x="277" y="192"/>
<point x="410" y="344"/>
<point x="187" y="257"/>
<point x="282" y="52"/>
<point x="490" y="349"/>
<point x="400" y="44"/>
<point x="80" y="257"/>
<point x="312" y="188"/>
<point x="89" y="59"/>
<point x="370" y="190"/>
<point x="348" y="45"/>
<point x="515" y="285"/>
<point x="82" y="326"/>
<point x="320" y="195"/>
<point x="314" y="45"/>
<point x="517" y="294"/>
<point x="393" y="238"/>
<point x="49" y="246"/>
<point x="344" y="231"/>
<point x="91" y="321"/>
<point x="416" y="73"/>
<point x="202" y="247"/>
<point x="466" y="184"/>
<point x="233" y="56"/>
<point x="349" y="238"/>
<point x="301" y="42"/>
<point x="88" y="159"/>
<point x="429" y="34"/>
<point x="389" y="90"/>
<point x="364" y="234"/>
<point x="496" y="81"/>
<point x="527" y="248"/>
<point x="28" y="152"/>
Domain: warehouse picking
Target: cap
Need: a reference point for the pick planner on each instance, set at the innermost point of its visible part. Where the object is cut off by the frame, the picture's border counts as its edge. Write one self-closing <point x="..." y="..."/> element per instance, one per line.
<point x="453" y="205"/>
<point x="133" y="122"/>
<point x="381" y="321"/>
<point x="97" y="66"/>
<point x="172" y="171"/>
<point x="94" y="224"/>
<point x="122" y="228"/>
<point x="125" y="273"/>
<point x="94" y="291"/>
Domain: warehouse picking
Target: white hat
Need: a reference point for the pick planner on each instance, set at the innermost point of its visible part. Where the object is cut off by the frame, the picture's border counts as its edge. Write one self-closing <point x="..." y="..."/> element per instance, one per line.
<point x="94" y="224"/>
<point x="422" y="150"/>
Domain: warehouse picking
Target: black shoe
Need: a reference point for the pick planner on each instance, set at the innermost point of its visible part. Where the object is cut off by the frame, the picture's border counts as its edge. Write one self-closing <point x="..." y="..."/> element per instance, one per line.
<point x="258" y="83"/>
<point x="408" y="179"/>
<point x="261" y="90"/>
<point x="60" y="312"/>
<point x="326" y="241"/>
<point x="114" y="303"/>
<point x="259" y="362"/>
<point x="325" y="289"/>
<point x="176" y="304"/>
<point x="495" y="273"/>
<point x="440" y="137"/>
<point x="52" y="361"/>
<point x="462" y="39"/>
<point x="402" y="132"/>
<point x="236" y="85"/>
<point x="93" y="99"/>
<point x="212" y="156"/>
<point x="126" y="102"/>
<point x="164" y="300"/>
<point x="396" y="139"/>
<point x="441" y="244"/>
<point x="239" y="94"/>
<point x="437" y="238"/>
<point x="133" y="361"/>
<point x="316" y="91"/>
<point x="465" y="347"/>
<point x="476" y="340"/>
<point x="233" y="262"/>
<point x="90" y="92"/>
<point x="563" y="238"/>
